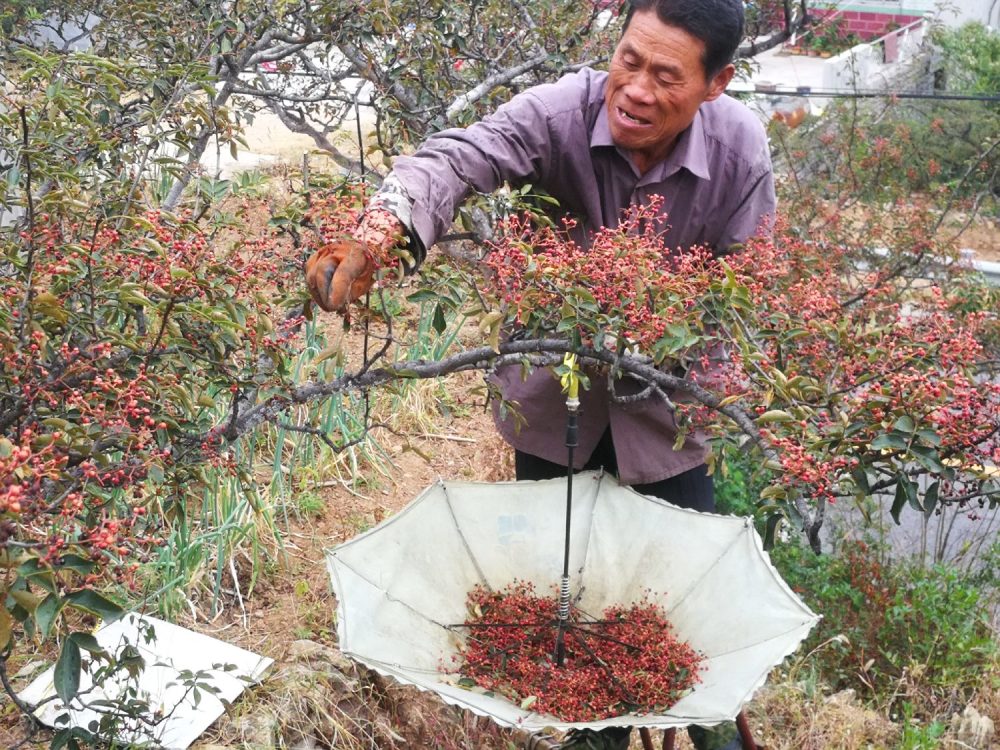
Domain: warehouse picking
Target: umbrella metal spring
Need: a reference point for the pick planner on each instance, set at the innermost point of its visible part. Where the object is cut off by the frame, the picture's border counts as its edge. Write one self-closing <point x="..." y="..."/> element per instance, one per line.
<point x="564" y="599"/>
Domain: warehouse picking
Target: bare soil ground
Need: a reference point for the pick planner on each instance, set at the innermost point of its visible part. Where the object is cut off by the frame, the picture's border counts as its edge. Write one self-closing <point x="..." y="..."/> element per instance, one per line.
<point x="983" y="238"/>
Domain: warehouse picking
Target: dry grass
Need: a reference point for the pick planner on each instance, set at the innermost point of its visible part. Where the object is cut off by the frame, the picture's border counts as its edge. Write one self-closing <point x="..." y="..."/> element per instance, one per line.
<point x="787" y="719"/>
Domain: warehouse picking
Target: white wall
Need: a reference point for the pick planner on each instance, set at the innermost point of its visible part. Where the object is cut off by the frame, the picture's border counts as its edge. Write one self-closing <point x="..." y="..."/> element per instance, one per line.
<point x="986" y="12"/>
<point x="863" y="67"/>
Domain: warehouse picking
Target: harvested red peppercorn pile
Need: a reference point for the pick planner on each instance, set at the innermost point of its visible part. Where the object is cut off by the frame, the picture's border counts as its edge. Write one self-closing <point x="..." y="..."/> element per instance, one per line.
<point x="628" y="662"/>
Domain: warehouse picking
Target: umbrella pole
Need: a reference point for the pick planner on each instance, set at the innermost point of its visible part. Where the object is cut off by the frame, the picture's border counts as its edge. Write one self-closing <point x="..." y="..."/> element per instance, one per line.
<point x="572" y="415"/>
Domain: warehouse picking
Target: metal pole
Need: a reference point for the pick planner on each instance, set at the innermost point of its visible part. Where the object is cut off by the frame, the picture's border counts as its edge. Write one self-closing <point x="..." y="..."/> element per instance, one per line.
<point x="572" y="385"/>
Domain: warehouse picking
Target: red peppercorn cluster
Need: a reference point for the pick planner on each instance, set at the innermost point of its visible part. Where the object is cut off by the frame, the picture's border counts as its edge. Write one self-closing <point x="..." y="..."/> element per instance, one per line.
<point x="625" y="281"/>
<point x="630" y="661"/>
<point x="847" y="372"/>
<point x="115" y="345"/>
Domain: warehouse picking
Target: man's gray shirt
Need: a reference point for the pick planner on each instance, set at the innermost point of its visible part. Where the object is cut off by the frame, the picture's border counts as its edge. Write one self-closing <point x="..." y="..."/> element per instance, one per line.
<point x="718" y="190"/>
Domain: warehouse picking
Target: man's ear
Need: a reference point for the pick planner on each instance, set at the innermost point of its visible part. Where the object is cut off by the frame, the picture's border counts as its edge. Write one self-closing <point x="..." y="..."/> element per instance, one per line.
<point x="717" y="86"/>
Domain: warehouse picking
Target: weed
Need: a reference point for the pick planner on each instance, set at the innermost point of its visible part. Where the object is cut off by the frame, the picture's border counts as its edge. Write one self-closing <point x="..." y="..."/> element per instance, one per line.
<point x="359" y="523"/>
<point x="738" y="482"/>
<point x="309" y="504"/>
<point x="918" y="736"/>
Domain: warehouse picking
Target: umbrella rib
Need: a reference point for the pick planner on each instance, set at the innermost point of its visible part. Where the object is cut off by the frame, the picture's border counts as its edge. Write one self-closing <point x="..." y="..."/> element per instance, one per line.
<point x="749" y="646"/>
<point x="390" y="597"/>
<point x="704" y="574"/>
<point x="461" y="535"/>
<point x="590" y="527"/>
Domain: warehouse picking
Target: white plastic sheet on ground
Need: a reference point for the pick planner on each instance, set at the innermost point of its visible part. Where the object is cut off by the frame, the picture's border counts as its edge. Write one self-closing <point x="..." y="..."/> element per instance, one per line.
<point x="403" y="583"/>
<point x="175" y="649"/>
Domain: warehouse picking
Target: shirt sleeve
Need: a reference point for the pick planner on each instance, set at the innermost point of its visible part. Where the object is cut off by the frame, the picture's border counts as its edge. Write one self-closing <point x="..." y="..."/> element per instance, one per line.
<point x="514" y="144"/>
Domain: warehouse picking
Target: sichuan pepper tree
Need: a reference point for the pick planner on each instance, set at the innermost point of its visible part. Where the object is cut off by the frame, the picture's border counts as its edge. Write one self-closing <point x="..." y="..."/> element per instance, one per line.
<point x="416" y="65"/>
<point x="847" y="385"/>
<point x="125" y="333"/>
<point x="120" y="347"/>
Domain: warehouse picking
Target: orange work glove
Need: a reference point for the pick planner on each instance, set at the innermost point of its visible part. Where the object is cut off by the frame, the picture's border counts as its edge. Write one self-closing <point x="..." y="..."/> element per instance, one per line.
<point x="339" y="273"/>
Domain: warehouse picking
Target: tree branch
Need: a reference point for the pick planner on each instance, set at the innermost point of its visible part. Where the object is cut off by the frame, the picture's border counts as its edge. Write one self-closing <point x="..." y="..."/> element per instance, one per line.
<point x="491" y="82"/>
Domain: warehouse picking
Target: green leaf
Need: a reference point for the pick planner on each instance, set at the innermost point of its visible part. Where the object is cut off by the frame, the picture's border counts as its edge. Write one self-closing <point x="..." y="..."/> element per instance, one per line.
<point x="26" y="599"/>
<point x="860" y="477"/>
<point x="439" y="321"/>
<point x="46" y="613"/>
<point x="66" y="676"/>
<point x="155" y="473"/>
<point x="905" y="424"/>
<point x="88" y="642"/>
<point x="928" y="458"/>
<point x="854" y="428"/>
<point x="775" y="415"/>
<point x="774" y="492"/>
<point x="906" y="492"/>
<point x="91" y="601"/>
<point x="37" y="573"/>
<point x="898" y="501"/>
<point x="76" y="563"/>
<point x="330" y="351"/>
<point x="888" y="440"/>
<point x="423" y="295"/>
<point x="931" y="499"/>
<point x="566" y="324"/>
<point x="770" y="529"/>
<point x="930" y="437"/>
<point x="131" y="660"/>
<point x="13" y="177"/>
<point x="6" y="627"/>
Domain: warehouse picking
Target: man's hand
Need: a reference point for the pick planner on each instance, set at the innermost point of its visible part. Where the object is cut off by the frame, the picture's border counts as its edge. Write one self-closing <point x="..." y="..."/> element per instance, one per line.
<point x="339" y="273"/>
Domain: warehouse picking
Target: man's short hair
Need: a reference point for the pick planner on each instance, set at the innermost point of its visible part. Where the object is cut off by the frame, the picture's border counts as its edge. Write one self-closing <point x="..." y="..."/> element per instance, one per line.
<point x="717" y="23"/>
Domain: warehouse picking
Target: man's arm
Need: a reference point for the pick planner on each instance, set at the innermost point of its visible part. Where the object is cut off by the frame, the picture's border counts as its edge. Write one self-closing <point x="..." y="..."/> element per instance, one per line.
<point x="514" y="144"/>
<point x="419" y="198"/>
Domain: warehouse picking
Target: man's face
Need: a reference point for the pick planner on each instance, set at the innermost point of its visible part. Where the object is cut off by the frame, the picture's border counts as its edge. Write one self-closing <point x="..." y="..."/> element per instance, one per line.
<point x="656" y="83"/>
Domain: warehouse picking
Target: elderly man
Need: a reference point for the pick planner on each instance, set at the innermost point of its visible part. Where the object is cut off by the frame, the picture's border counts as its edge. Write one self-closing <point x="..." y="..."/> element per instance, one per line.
<point x="657" y="123"/>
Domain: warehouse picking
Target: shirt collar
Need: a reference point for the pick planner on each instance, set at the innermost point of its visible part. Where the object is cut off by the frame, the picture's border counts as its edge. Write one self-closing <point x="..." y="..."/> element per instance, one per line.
<point x="689" y="152"/>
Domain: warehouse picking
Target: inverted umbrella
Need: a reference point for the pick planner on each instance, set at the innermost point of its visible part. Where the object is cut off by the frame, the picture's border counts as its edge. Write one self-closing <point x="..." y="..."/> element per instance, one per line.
<point x="402" y="586"/>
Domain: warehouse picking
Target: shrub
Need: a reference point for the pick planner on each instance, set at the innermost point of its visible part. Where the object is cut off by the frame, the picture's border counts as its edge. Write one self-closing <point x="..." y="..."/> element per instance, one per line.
<point x="739" y="480"/>
<point x="896" y="632"/>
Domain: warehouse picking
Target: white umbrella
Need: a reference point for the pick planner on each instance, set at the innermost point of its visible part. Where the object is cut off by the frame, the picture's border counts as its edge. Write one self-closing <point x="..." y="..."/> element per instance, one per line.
<point x="402" y="586"/>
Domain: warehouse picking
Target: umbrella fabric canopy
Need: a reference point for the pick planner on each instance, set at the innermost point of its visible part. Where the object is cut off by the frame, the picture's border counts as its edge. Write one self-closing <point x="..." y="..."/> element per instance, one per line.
<point x="401" y="585"/>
